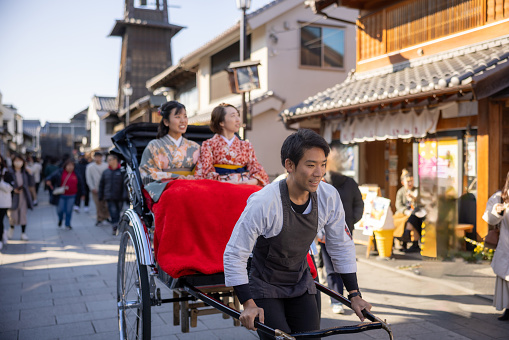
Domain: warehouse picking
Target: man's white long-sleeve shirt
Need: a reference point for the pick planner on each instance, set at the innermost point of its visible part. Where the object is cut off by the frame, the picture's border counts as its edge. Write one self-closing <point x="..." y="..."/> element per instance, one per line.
<point x="263" y="216"/>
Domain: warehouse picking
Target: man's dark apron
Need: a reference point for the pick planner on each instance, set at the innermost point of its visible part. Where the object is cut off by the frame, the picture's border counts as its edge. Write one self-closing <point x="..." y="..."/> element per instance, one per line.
<point x="279" y="267"/>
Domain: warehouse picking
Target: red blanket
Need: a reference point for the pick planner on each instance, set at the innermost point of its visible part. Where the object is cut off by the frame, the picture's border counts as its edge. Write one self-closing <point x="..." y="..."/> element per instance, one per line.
<point x="194" y="221"/>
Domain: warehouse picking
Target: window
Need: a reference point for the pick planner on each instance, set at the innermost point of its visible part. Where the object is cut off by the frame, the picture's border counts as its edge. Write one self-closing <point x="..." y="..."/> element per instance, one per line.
<point x="219" y="81"/>
<point x="322" y="47"/>
<point x="149" y="4"/>
<point x="110" y="126"/>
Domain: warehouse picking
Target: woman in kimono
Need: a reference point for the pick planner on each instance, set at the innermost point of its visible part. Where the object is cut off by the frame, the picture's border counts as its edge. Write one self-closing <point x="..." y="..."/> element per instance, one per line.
<point x="225" y="157"/>
<point x="170" y="156"/>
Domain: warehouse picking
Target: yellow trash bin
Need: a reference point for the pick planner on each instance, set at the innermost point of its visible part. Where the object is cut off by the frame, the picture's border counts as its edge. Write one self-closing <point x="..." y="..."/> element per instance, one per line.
<point x="384" y="242"/>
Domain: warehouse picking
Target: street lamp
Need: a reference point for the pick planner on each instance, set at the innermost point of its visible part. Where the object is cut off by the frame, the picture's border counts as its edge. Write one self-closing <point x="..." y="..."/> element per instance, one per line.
<point x="243" y="5"/>
<point x="128" y="91"/>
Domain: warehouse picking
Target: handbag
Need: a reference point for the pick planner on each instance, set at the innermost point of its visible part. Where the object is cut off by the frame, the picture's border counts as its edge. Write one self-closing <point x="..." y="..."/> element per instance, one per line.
<point x="61" y="190"/>
<point x="491" y="239"/>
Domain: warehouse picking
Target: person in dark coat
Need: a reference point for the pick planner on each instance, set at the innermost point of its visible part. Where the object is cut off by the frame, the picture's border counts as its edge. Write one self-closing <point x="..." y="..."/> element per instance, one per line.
<point x="112" y="190"/>
<point x="353" y="205"/>
<point x="80" y="169"/>
<point x="74" y="186"/>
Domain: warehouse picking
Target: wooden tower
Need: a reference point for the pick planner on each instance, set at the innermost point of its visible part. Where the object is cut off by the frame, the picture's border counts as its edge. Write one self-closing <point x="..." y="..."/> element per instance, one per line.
<point x="146" y="46"/>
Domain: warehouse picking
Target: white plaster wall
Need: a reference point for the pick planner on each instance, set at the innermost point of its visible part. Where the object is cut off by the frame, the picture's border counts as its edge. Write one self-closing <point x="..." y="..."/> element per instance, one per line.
<point x="280" y="72"/>
<point x="105" y="139"/>
<point x="286" y="77"/>
<point x="267" y="136"/>
<point x="93" y="122"/>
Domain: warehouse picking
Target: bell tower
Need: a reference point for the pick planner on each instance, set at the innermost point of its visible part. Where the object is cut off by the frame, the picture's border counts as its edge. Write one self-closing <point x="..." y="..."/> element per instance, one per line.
<point x="146" y="46"/>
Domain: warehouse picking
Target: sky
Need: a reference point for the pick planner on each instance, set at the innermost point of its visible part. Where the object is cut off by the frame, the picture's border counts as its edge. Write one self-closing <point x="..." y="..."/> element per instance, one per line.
<point x="56" y="55"/>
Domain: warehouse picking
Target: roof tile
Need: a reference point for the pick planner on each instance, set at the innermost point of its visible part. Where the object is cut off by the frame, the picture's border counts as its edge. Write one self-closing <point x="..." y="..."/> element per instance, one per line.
<point x="448" y="69"/>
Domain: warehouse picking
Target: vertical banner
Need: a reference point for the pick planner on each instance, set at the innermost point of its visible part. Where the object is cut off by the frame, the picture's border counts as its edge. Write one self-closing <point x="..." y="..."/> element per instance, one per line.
<point x="447" y="167"/>
<point x="427" y="179"/>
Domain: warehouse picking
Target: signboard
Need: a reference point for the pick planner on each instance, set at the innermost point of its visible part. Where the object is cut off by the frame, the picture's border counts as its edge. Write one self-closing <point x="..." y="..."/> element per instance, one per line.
<point x="428" y="159"/>
<point x="447" y="166"/>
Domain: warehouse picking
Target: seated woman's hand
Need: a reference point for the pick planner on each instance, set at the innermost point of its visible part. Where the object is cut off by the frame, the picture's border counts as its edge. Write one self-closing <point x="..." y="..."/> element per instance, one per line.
<point x="252" y="181"/>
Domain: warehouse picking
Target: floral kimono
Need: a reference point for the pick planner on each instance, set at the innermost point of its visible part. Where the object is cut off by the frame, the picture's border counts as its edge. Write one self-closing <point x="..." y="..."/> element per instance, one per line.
<point x="222" y="162"/>
<point x="163" y="160"/>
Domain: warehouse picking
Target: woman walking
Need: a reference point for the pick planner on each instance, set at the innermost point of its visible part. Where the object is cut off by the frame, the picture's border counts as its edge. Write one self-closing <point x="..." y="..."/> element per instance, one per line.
<point x="6" y="186"/>
<point x="497" y="214"/>
<point x="22" y="198"/>
<point x="65" y="177"/>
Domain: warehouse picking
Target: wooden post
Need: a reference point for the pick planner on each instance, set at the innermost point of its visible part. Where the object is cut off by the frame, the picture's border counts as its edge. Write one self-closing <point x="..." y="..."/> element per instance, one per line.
<point x="488" y="158"/>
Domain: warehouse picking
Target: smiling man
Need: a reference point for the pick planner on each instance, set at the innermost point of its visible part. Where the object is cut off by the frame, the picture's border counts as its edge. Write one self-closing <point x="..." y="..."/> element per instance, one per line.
<point x="277" y="227"/>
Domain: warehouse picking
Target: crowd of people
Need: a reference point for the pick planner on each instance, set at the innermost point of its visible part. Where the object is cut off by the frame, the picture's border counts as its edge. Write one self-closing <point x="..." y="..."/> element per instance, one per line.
<point x="69" y="183"/>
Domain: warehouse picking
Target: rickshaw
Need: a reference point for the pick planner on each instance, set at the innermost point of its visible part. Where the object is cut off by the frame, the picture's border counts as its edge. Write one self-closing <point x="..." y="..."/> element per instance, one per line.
<point x="193" y="295"/>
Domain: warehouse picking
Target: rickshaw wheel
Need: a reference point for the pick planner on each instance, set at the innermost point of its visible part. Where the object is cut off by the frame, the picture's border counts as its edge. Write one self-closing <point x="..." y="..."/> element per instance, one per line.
<point x="133" y="292"/>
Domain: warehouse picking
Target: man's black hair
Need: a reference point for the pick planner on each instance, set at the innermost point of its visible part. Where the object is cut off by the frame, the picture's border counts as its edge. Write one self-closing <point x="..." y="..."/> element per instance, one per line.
<point x="294" y="145"/>
<point x="114" y="155"/>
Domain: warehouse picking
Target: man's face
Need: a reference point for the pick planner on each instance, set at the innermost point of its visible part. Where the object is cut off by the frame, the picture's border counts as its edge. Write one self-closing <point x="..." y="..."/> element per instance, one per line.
<point x="310" y="170"/>
<point x="98" y="159"/>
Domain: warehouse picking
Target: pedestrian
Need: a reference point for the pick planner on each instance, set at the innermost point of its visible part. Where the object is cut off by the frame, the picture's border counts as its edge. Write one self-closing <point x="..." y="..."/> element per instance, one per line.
<point x="73" y="185"/>
<point x="93" y="175"/>
<point x="225" y="157"/>
<point x="353" y="206"/>
<point x="277" y="227"/>
<point x="6" y="187"/>
<point x="22" y="198"/>
<point x="497" y="214"/>
<point x="80" y="170"/>
<point x="35" y="168"/>
<point x="50" y="167"/>
<point x="112" y="190"/>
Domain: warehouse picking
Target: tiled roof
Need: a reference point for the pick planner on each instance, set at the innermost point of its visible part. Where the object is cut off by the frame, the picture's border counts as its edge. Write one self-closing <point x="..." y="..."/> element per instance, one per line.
<point x="450" y="69"/>
<point x="31" y="126"/>
<point x="105" y="103"/>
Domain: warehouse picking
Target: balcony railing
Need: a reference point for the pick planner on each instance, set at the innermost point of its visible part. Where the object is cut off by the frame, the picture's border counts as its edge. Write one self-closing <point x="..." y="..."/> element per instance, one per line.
<point x="414" y="22"/>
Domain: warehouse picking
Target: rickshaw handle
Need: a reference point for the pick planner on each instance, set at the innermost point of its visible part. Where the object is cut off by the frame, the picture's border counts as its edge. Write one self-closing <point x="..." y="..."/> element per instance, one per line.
<point x="276" y="333"/>
<point x="371" y="317"/>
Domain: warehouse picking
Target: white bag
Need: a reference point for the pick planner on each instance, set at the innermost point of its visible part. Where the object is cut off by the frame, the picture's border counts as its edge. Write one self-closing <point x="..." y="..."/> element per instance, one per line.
<point x="61" y="190"/>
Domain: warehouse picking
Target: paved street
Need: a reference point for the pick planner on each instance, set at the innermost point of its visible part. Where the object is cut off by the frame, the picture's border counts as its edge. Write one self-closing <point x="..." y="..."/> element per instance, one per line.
<point x="61" y="285"/>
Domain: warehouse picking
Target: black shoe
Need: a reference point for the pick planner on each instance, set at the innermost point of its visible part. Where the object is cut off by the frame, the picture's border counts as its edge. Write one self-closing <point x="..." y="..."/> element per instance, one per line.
<point x="114" y="231"/>
<point x="504" y="316"/>
<point x="98" y="223"/>
<point x="60" y="223"/>
<point x="68" y="227"/>
<point x="413" y="249"/>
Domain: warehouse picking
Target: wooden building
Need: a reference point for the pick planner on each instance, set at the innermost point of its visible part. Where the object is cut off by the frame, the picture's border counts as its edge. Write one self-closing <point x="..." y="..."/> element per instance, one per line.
<point x="146" y="51"/>
<point x="427" y="71"/>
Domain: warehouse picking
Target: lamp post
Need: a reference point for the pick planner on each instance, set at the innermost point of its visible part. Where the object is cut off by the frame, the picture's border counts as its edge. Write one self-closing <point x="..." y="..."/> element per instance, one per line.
<point x="243" y="5"/>
<point x="128" y="91"/>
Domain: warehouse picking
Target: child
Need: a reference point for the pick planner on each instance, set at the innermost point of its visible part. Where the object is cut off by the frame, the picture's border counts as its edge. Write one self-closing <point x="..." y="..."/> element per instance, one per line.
<point x="112" y="189"/>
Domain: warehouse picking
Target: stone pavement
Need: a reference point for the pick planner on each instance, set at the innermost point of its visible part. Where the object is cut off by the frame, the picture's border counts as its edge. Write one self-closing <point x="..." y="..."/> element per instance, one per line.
<point x="474" y="278"/>
<point x="61" y="285"/>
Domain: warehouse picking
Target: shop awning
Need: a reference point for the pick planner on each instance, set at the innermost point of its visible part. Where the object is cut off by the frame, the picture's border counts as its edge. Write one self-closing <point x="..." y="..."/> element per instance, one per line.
<point x="482" y="68"/>
<point x="369" y="128"/>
